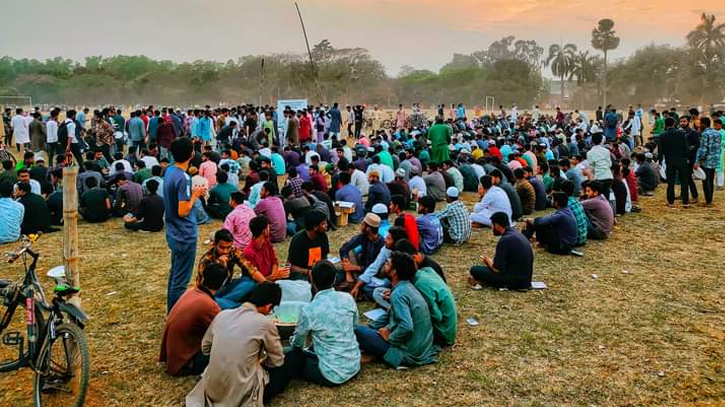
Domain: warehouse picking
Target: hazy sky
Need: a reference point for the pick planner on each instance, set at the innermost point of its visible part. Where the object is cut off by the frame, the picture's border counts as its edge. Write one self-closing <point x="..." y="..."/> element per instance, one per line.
<point x="422" y="33"/>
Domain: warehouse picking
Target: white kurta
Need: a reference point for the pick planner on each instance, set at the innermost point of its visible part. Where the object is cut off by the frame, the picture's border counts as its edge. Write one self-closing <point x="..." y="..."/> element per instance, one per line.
<point x="20" y="129"/>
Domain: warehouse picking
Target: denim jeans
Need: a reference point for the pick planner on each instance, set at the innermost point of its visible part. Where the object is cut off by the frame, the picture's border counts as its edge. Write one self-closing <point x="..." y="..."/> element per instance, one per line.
<point x="371" y="342"/>
<point x="182" y="264"/>
<point x="234" y="293"/>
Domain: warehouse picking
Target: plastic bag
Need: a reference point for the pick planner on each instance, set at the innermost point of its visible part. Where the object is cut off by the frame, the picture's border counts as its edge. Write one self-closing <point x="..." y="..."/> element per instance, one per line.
<point x="295" y="290"/>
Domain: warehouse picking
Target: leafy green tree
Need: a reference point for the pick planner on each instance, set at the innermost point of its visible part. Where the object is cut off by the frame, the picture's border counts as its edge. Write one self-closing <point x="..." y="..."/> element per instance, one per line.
<point x="605" y="39"/>
<point x="561" y="60"/>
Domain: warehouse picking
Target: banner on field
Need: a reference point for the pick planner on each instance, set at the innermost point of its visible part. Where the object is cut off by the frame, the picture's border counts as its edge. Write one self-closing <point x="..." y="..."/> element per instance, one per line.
<point x="294" y="104"/>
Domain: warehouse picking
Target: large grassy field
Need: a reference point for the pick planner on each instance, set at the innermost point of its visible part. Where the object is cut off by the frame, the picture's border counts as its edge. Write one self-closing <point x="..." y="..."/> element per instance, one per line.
<point x="648" y="331"/>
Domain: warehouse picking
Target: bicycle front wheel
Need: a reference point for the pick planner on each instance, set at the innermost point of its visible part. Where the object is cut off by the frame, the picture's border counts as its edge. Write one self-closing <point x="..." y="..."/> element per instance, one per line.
<point x="63" y="369"/>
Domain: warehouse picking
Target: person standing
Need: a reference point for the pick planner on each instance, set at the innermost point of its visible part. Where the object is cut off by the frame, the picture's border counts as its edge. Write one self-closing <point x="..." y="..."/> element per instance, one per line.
<point x="673" y="148"/>
<point x="708" y="155"/>
<point x="400" y="117"/>
<point x="20" y="129"/>
<point x="693" y="143"/>
<point x="335" y="120"/>
<point x="37" y="133"/>
<point x="51" y="140"/>
<point x="440" y="136"/>
<point x="181" y="228"/>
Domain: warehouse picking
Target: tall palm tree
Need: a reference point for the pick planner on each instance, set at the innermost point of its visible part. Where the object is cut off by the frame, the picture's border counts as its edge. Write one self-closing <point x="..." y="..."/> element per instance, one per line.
<point x="605" y="39"/>
<point x="561" y="59"/>
<point x="707" y="38"/>
<point x="584" y="68"/>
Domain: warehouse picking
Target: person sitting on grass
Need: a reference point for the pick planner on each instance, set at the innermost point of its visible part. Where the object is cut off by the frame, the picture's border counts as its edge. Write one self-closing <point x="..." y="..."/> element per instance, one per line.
<point x="11" y="214"/>
<point x="406" y="220"/>
<point x="247" y="365"/>
<point x="308" y="246"/>
<point x="455" y="219"/>
<point x="329" y="321"/>
<point x="404" y="335"/>
<point x="95" y="204"/>
<point x="150" y="214"/>
<point x="218" y="203"/>
<point x="437" y="294"/>
<point x="513" y="264"/>
<point x="368" y="282"/>
<point x="36" y="217"/>
<point x="557" y="232"/>
<point x="260" y="251"/>
<point x="128" y="196"/>
<point x="235" y="290"/>
<point x="493" y="199"/>
<point x="430" y="228"/>
<point x="598" y="210"/>
<point x="369" y="240"/>
<point x="582" y="223"/>
<point x="187" y="323"/>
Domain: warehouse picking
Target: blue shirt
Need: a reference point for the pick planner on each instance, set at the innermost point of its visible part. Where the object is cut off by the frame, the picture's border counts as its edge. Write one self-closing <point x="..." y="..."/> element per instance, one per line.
<point x="177" y="188"/>
<point x="564" y="222"/>
<point x="349" y="193"/>
<point x="136" y="129"/>
<point x="11" y="216"/>
<point x="330" y="320"/>
<point x="278" y="164"/>
<point x="153" y="126"/>
<point x="431" y="233"/>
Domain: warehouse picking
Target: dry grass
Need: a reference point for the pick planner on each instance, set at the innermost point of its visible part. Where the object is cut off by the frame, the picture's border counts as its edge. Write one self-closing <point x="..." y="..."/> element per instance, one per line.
<point x="652" y="337"/>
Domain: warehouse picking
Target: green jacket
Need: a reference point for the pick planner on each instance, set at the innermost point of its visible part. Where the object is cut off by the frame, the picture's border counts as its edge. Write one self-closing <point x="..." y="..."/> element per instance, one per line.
<point x="441" y="304"/>
<point x="409" y="323"/>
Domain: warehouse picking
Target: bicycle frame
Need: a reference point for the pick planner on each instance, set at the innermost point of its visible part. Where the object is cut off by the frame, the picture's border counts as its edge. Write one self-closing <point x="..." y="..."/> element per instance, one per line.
<point x="39" y="329"/>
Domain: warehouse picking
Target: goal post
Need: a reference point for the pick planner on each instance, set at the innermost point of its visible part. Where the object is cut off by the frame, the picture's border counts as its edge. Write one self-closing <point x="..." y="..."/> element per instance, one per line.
<point x="489" y="101"/>
<point x="26" y="102"/>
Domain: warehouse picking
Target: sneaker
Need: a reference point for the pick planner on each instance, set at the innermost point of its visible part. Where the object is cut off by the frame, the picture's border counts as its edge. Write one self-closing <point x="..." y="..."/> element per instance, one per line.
<point x="669" y="205"/>
<point x="686" y="206"/>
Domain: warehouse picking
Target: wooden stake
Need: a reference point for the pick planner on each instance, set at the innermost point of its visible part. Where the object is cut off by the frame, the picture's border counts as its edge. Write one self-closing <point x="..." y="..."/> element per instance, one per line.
<point x="70" y="229"/>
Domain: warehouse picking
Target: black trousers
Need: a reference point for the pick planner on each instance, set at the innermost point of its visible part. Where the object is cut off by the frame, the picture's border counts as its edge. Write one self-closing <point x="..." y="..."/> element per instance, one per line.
<point x="691" y="182"/>
<point x="75" y="148"/>
<point x="549" y="237"/>
<point x="708" y="184"/>
<point x="358" y="129"/>
<point x="279" y="377"/>
<point x="673" y="172"/>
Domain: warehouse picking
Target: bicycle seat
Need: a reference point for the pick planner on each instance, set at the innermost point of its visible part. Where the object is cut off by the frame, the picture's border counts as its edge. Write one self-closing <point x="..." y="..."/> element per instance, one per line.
<point x="5" y="283"/>
<point x="64" y="290"/>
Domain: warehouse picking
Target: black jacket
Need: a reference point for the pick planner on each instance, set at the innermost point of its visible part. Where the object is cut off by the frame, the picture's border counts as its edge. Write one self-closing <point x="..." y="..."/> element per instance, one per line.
<point x="673" y="148"/>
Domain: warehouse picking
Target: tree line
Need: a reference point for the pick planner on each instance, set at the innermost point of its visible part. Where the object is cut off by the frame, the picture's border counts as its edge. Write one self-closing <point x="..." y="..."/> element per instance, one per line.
<point x="509" y="69"/>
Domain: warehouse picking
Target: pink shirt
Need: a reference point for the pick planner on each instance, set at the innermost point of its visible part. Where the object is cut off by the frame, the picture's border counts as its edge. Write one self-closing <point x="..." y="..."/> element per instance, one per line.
<point x="208" y="170"/>
<point x="237" y="222"/>
<point x="273" y="209"/>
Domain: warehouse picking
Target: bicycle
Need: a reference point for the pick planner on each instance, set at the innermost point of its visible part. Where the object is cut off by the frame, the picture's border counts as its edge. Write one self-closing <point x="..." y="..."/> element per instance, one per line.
<point x="57" y="350"/>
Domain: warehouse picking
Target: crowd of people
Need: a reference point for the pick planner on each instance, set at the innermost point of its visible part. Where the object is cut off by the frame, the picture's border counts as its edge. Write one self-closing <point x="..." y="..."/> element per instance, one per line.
<point x="274" y="178"/>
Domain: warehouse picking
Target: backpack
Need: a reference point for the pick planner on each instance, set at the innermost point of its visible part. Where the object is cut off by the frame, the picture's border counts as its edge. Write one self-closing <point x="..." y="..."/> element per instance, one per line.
<point x="63" y="134"/>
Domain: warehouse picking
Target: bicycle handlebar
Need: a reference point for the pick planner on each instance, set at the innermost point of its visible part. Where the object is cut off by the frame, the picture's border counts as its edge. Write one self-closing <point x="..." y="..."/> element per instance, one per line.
<point x="26" y="248"/>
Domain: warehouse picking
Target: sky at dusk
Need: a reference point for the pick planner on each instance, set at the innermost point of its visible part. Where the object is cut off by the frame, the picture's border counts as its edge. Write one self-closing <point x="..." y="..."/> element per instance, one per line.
<point x="421" y="33"/>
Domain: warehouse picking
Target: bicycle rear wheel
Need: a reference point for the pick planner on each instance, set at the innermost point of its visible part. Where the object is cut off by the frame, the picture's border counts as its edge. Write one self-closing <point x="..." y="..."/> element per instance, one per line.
<point x="64" y="367"/>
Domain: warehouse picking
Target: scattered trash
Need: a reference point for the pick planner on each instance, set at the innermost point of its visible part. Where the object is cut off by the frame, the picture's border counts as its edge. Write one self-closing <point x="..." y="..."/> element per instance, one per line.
<point x="625" y="271"/>
<point x="112" y="293"/>
<point x="602" y="347"/>
<point x="477" y="287"/>
<point x="538" y="285"/>
<point x="207" y="241"/>
<point x="594" y="276"/>
<point x="472" y="321"/>
<point x="661" y="373"/>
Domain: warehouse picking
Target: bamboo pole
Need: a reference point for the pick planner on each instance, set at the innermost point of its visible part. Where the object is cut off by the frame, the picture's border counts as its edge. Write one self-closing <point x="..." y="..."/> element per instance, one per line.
<point x="309" y="53"/>
<point x="70" y="229"/>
